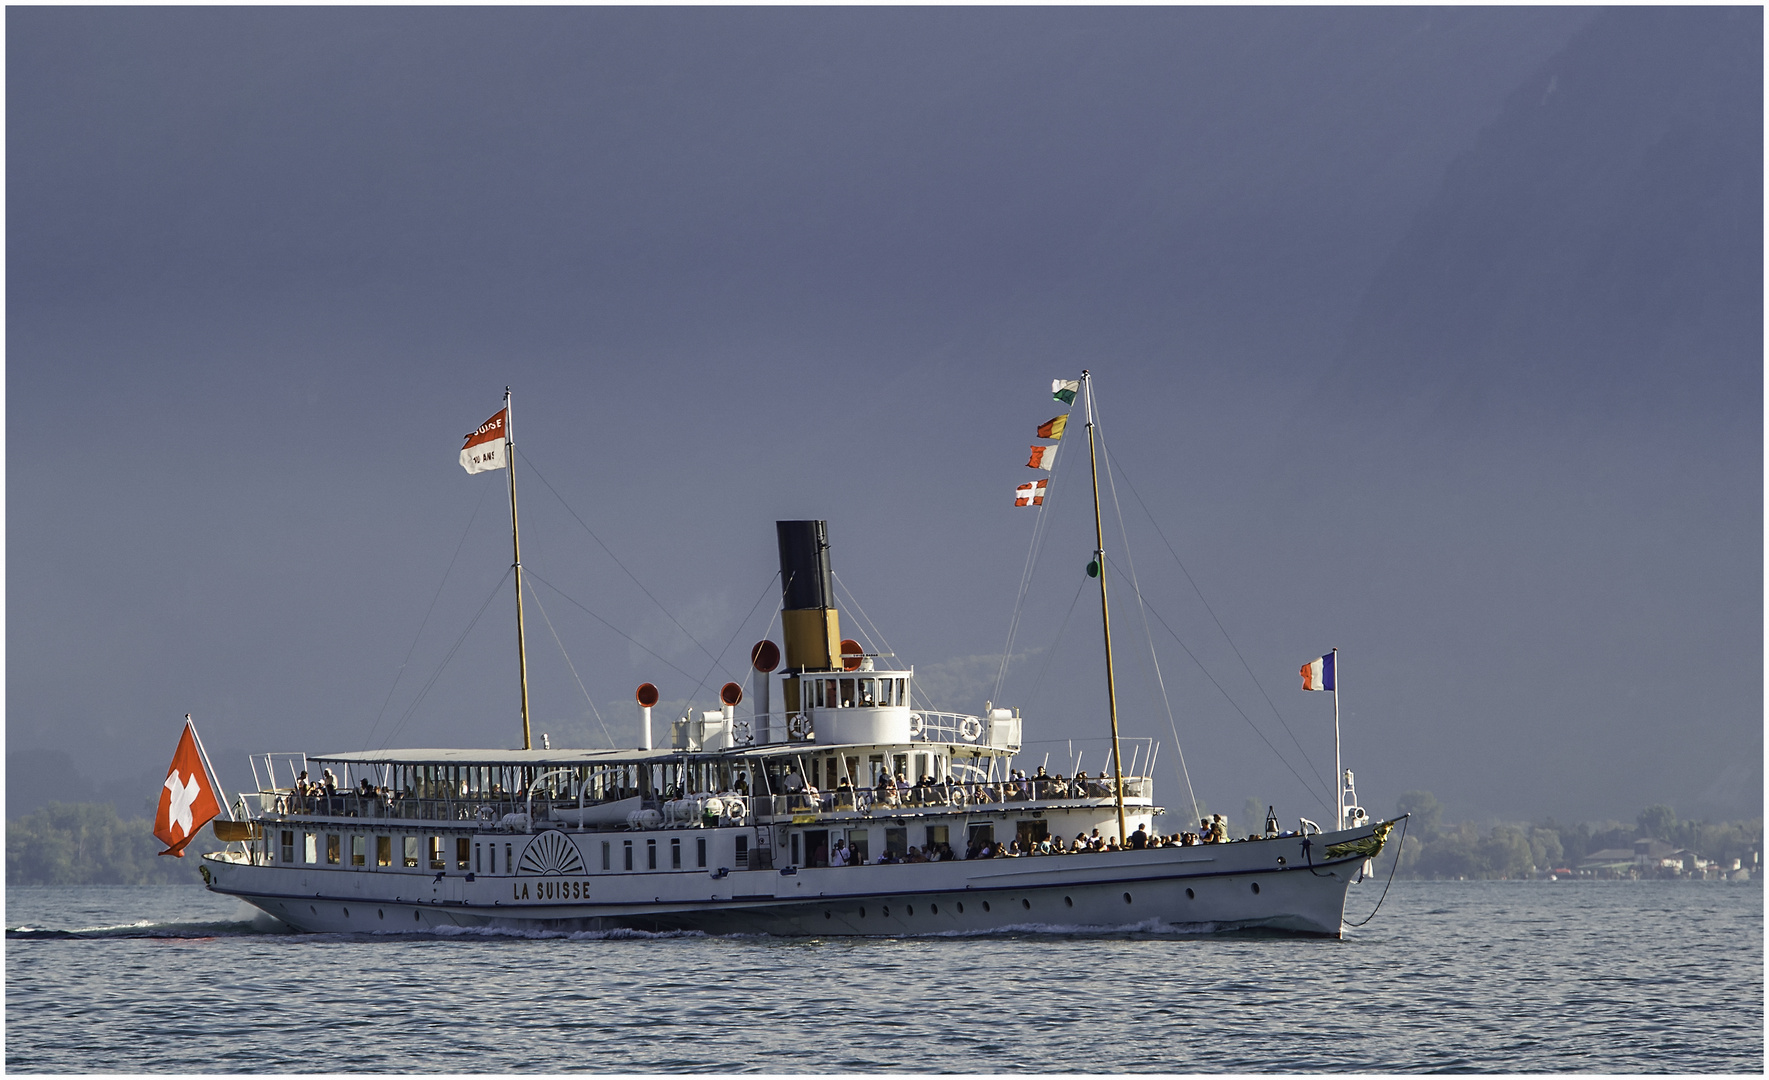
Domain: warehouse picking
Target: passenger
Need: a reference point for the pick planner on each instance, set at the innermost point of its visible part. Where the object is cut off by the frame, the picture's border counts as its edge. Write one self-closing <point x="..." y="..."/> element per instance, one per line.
<point x="1080" y="844"/>
<point x="1218" y="829"/>
<point x="838" y="856"/>
<point x="1139" y="839"/>
<point x="1041" y="784"/>
<point x="742" y="785"/>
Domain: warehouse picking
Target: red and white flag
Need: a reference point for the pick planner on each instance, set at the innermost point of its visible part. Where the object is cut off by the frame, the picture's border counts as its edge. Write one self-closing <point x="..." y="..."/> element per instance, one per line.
<point x="484" y="450"/>
<point x="1030" y="494"/>
<point x="187" y="799"/>
<point x="1043" y="457"/>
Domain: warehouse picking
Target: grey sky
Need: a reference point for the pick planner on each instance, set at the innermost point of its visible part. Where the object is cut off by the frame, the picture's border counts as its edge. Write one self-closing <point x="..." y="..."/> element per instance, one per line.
<point x="1432" y="334"/>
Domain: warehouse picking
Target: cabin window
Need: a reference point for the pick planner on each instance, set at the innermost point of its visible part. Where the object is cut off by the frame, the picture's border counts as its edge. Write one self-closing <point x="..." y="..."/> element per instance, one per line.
<point x="874" y="769"/>
<point x="980" y="835"/>
<point x="359" y="848"/>
<point x="817" y="847"/>
<point x="288" y="846"/>
<point x="937" y="835"/>
<point x="411" y="851"/>
<point x="829" y="698"/>
<point x="650" y="854"/>
<point x="605" y="863"/>
<point x="847" y="693"/>
<point x="629" y="853"/>
<point x="857" y="846"/>
<point x="332" y="848"/>
<point x="675" y="853"/>
<point x="700" y="851"/>
<point x="742" y="859"/>
<point x="436" y="862"/>
<point x="310" y="847"/>
<point x="869" y="691"/>
<point x="462" y="847"/>
<point x="921" y="768"/>
<point x="384" y="851"/>
<point x="795" y="849"/>
<point x="896" y="843"/>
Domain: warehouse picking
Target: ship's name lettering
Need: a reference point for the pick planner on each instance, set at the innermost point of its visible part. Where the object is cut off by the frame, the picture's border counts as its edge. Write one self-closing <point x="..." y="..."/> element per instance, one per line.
<point x="550" y="889"/>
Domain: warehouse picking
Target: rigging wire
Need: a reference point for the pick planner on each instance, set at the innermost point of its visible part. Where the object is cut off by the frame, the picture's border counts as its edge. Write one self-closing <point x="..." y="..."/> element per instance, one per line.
<point x="400" y="673"/>
<point x="1034" y="550"/>
<point x="1148" y="635"/>
<point x="1051" y="652"/>
<point x="1220" y="628"/>
<point x="1232" y="704"/>
<point x="597" y="713"/>
<point x="633" y="640"/>
<point x="489" y="597"/>
<point x="720" y="659"/>
<point x="617" y="562"/>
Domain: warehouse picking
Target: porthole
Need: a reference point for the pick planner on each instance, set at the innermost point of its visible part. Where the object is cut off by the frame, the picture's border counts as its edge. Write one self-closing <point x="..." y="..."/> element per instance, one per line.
<point x="347" y="913"/>
<point x="885" y="910"/>
<point x="1256" y="888"/>
<point x="1027" y="904"/>
<point x="380" y="914"/>
<point x="933" y="909"/>
<point x="862" y="913"/>
<point x="909" y="908"/>
<point x="1068" y="901"/>
<point x="1190" y="895"/>
<point x="827" y="915"/>
<point x="1127" y="898"/>
<point x="985" y="905"/>
<point x="313" y="909"/>
<point x="961" y="907"/>
<point x="414" y="916"/>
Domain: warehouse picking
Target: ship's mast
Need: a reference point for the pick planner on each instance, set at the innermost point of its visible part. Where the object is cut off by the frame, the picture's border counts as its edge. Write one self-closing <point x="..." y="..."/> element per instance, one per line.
<point x="1105" y="610"/>
<point x="516" y="544"/>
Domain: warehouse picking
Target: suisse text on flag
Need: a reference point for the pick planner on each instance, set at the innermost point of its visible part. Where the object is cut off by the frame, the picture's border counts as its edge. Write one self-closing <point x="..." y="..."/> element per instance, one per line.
<point x="484" y="449"/>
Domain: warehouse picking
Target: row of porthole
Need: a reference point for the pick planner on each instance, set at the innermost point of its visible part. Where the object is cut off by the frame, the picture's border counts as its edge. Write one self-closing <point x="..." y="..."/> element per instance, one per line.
<point x="934" y="909"/>
<point x="380" y="913"/>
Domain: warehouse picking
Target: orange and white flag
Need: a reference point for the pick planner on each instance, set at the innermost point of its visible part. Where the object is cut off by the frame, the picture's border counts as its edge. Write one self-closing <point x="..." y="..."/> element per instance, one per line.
<point x="1043" y="457"/>
<point x="187" y="799"/>
<point x="1030" y="494"/>
<point x="484" y="449"/>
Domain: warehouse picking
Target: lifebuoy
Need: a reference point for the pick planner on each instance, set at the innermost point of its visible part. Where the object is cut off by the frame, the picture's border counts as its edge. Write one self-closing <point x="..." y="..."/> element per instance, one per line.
<point x="970" y="729"/>
<point x="799" y="726"/>
<point x="735" y="810"/>
<point x="915" y="725"/>
<point x="741" y="733"/>
<point x="955" y="797"/>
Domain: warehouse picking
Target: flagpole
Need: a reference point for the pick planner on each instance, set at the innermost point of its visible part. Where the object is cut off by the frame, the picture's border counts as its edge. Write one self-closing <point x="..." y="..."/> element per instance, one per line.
<point x="1099" y="557"/>
<point x="1338" y="764"/>
<point x="516" y="544"/>
<point x="210" y="766"/>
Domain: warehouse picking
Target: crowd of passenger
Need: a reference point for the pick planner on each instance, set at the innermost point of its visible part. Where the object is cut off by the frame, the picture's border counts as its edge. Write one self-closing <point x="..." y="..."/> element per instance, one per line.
<point x="896" y="791"/>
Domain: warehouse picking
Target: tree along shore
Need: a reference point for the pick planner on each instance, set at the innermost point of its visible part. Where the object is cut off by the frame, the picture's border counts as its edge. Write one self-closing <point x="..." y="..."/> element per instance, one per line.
<point x="1658" y="844"/>
<point x="88" y="844"/>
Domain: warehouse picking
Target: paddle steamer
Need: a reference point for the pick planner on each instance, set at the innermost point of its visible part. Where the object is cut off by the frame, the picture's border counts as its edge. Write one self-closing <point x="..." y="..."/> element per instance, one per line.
<point x="847" y="810"/>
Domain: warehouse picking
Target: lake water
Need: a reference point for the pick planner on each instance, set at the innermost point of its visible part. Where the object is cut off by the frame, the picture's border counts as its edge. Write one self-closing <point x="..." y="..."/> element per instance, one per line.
<point x="1451" y="976"/>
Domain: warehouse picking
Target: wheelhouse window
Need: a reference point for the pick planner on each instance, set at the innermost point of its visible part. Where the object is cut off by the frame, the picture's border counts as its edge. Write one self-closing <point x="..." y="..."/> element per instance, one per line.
<point x="287" y="848"/>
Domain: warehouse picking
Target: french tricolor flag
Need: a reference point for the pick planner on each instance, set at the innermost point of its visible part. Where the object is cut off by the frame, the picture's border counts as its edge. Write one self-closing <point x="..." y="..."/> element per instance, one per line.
<point x="1318" y="674"/>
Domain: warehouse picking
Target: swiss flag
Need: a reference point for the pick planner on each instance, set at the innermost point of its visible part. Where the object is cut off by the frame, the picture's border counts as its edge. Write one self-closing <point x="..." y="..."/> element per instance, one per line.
<point x="187" y="801"/>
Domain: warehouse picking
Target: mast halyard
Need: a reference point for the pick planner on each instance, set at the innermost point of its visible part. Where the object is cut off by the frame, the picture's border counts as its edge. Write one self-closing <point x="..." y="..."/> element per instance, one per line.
<point x="516" y="544"/>
<point x="1099" y="560"/>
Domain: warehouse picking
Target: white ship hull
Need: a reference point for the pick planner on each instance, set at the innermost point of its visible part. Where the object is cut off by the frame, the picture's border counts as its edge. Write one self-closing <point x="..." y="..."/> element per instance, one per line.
<point x="1273" y="885"/>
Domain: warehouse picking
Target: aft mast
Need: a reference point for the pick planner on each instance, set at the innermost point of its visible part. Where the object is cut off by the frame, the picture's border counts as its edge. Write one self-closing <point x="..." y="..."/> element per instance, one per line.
<point x="1105" y="610"/>
<point x="516" y="544"/>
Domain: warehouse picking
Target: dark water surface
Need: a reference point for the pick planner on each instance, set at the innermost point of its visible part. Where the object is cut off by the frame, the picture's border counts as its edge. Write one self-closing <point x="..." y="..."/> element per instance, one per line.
<point x="1455" y="976"/>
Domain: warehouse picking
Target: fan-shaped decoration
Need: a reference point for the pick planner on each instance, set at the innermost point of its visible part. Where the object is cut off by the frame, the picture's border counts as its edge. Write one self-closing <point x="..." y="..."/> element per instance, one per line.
<point x="551" y="853"/>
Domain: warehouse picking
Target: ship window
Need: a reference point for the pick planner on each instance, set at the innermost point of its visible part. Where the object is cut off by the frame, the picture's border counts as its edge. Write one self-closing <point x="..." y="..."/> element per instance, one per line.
<point x="897" y="842"/>
<point x="857" y="847"/>
<point x="650" y="854"/>
<point x="288" y="846"/>
<point x="847" y="693"/>
<point x="921" y="768"/>
<point x="937" y="835"/>
<point x="869" y="691"/>
<point x="874" y="769"/>
<point x="359" y="848"/>
<point x="384" y="851"/>
<point x="900" y="765"/>
<point x="509" y="863"/>
<point x="742" y="859"/>
<point x="700" y="851"/>
<point x="478" y="859"/>
<point x="605" y="864"/>
<point x="332" y="852"/>
<point x="436" y="862"/>
<point x="629" y="853"/>
<point x="494" y="857"/>
<point x="411" y="851"/>
<point x="310" y="848"/>
<point x="829" y="698"/>
<point x="462" y="846"/>
<point x="675" y="853"/>
<point x="795" y="849"/>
